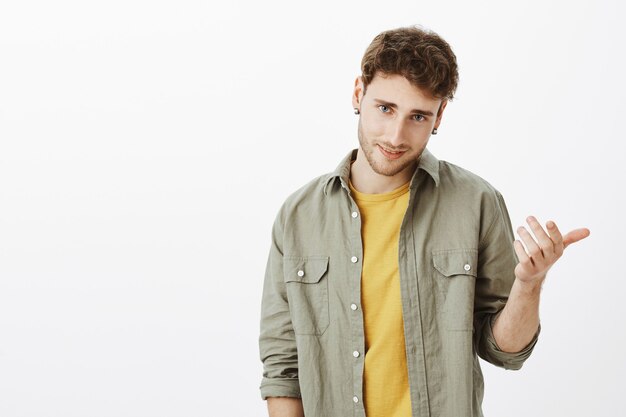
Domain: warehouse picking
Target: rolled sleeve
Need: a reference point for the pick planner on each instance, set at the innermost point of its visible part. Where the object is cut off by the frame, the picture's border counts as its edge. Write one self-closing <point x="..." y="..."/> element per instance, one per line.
<point x="280" y="387"/>
<point x="496" y="274"/>
<point x="506" y="360"/>
<point x="277" y="344"/>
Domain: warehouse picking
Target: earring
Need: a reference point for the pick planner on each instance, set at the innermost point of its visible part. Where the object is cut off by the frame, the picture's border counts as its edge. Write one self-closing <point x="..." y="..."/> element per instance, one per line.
<point x="356" y="111"/>
<point x="434" y="131"/>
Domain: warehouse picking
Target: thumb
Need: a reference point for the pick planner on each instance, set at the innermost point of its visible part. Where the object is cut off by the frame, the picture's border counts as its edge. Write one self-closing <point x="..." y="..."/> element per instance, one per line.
<point x="575" y="235"/>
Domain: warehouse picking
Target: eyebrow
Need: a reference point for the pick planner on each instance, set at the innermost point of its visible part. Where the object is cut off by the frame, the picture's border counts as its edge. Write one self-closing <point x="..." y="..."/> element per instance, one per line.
<point x="395" y="106"/>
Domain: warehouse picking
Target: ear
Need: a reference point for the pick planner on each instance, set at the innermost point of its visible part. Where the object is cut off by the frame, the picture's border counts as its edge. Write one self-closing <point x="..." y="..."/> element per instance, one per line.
<point x="444" y="102"/>
<point x="357" y="94"/>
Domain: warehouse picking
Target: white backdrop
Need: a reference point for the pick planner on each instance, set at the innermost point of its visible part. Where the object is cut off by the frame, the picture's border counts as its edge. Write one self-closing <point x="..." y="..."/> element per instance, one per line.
<point x="146" y="146"/>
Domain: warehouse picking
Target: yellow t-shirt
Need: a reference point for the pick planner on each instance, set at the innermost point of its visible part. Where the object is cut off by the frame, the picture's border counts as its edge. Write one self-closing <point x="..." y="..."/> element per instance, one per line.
<point x="385" y="379"/>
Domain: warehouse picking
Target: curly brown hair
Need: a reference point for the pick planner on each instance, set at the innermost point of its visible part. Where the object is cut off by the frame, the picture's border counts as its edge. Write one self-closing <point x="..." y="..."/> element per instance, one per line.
<point x="418" y="54"/>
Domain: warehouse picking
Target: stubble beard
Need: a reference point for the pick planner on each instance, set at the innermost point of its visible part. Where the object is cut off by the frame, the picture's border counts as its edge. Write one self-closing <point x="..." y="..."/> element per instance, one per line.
<point x="389" y="168"/>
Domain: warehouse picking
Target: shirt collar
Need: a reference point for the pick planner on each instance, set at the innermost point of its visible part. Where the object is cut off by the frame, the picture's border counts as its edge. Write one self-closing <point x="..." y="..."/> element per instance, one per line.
<point x="428" y="162"/>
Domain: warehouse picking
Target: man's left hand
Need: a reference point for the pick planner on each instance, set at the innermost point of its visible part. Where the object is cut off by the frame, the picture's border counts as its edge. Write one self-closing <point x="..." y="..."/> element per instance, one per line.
<point x="543" y="253"/>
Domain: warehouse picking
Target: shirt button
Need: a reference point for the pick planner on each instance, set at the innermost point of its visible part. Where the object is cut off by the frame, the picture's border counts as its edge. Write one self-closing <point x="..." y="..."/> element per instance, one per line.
<point x="355" y="399"/>
<point x="355" y="353"/>
<point x="354" y="259"/>
<point x="467" y="267"/>
<point x="354" y="214"/>
<point x="300" y="273"/>
<point x="353" y="306"/>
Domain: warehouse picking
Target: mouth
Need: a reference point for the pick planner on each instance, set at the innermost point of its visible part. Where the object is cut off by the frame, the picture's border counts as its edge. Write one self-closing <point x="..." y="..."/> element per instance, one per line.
<point x="390" y="155"/>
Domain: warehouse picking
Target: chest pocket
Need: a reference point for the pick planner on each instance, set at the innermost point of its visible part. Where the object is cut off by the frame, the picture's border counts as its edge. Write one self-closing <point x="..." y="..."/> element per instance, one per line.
<point x="306" y="279"/>
<point x="454" y="274"/>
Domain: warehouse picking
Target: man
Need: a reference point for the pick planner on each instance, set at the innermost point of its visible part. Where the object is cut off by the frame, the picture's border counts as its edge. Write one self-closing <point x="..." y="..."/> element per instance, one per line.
<point x="389" y="277"/>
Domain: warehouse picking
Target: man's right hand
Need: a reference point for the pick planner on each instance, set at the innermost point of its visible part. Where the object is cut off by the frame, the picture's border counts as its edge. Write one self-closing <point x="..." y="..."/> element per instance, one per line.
<point x="285" y="407"/>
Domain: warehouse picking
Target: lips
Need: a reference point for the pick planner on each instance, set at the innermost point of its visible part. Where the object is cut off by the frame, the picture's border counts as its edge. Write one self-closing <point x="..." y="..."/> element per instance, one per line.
<point x="390" y="155"/>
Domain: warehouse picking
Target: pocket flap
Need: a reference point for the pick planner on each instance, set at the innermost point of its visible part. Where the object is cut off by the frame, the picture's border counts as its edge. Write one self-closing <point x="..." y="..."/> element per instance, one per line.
<point x="456" y="261"/>
<point x="305" y="269"/>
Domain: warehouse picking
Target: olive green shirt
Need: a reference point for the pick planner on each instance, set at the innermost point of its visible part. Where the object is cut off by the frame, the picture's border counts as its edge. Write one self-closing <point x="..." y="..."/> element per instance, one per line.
<point x="456" y="262"/>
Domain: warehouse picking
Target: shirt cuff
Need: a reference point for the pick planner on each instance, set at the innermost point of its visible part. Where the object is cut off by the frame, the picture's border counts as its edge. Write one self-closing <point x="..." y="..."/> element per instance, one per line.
<point x="508" y="360"/>
<point x="280" y="387"/>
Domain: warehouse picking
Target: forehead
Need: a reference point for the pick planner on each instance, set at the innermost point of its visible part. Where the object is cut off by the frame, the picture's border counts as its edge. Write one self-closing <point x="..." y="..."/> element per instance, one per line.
<point x="398" y="89"/>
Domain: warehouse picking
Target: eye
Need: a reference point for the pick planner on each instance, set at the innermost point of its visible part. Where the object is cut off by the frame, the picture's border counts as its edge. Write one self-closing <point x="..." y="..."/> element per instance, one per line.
<point x="419" y="115"/>
<point x="382" y="105"/>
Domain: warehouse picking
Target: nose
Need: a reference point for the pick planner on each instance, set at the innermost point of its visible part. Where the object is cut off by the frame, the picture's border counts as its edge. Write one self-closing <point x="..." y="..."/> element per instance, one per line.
<point x="396" y="135"/>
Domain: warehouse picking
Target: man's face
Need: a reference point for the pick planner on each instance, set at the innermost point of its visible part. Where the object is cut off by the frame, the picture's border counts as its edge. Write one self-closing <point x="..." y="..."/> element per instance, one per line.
<point x="395" y="116"/>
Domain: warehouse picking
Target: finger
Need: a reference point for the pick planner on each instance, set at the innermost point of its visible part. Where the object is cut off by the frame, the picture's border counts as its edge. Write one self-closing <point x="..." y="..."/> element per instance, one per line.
<point x="545" y="243"/>
<point x="557" y="238"/>
<point x="523" y="257"/>
<point x="575" y="235"/>
<point x="534" y="251"/>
